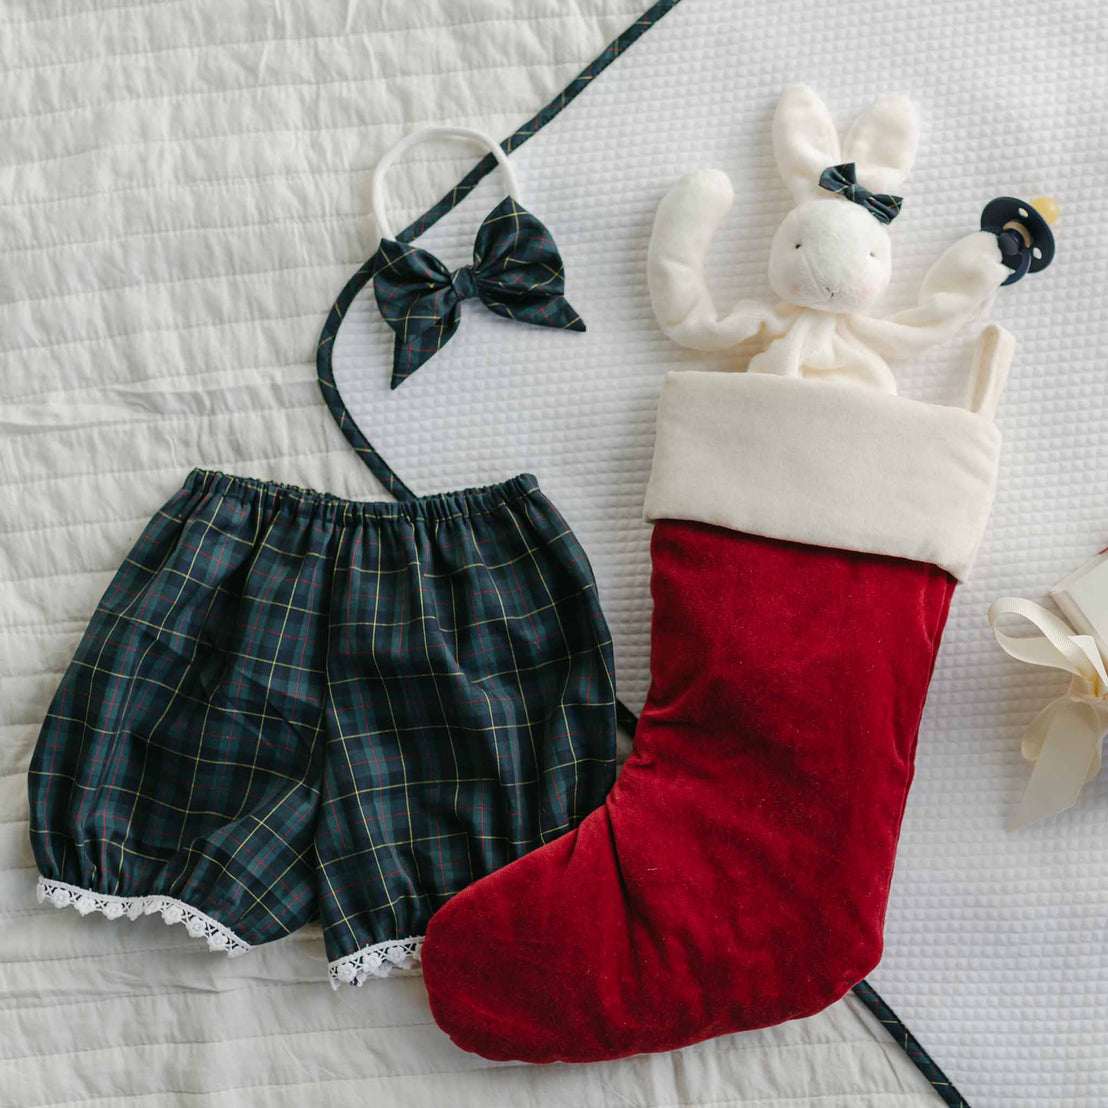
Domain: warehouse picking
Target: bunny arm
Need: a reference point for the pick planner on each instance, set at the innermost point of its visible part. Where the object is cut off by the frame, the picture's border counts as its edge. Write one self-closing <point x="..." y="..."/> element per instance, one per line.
<point x="957" y="289"/>
<point x="687" y="217"/>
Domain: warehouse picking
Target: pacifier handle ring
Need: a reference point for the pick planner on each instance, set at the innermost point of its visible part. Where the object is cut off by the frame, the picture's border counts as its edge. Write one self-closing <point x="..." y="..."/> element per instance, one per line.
<point x="377" y="182"/>
<point x="1021" y="270"/>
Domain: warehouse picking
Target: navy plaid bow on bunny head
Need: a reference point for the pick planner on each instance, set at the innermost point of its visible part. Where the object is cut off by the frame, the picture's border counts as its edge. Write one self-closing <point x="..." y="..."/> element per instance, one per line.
<point x="517" y="273"/>
<point x="842" y="180"/>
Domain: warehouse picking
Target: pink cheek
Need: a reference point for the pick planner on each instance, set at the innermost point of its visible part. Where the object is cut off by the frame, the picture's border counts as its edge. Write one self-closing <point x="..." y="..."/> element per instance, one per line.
<point x="866" y="292"/>
<point x="795" y="288"/>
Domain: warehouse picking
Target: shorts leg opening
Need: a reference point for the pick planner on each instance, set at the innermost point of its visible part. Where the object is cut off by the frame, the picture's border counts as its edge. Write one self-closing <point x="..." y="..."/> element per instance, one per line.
<point x="393" y="957"/>
<point x="197" y="923"/>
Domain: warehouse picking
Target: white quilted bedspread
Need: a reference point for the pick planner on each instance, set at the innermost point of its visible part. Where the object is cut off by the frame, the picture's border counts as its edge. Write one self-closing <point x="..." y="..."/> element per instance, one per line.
<point x="183" y="189"/>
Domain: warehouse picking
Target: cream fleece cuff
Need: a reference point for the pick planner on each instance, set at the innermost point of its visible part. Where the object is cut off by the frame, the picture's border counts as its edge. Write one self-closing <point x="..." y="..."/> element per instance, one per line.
<point x="825" y="464"/>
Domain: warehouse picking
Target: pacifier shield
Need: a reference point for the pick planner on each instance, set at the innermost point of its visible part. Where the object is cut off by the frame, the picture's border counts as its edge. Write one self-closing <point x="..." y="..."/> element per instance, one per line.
<point x="1010" y="213"/>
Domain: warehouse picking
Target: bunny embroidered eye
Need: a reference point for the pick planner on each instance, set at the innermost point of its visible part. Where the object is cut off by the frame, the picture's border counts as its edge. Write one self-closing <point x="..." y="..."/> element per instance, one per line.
<point x="798" y="245"/>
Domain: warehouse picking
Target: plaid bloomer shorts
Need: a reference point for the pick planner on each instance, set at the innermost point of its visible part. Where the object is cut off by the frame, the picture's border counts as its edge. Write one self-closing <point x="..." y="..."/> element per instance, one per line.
<point x="290" y="706"/>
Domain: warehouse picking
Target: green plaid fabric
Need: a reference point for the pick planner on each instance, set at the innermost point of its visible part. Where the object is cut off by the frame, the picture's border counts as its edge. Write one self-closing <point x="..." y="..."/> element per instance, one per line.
<point x="517" y="273"/>
<point x="289" y="705"/>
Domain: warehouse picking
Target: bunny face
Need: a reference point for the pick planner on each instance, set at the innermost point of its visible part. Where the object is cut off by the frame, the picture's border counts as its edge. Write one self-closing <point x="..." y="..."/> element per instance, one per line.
<point x="830" y="254"/>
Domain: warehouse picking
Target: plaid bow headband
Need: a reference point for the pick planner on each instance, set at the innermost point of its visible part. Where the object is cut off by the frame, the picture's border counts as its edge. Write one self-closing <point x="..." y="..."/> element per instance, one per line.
<point x="841" y="179"/>
<point x="517" y="273"/>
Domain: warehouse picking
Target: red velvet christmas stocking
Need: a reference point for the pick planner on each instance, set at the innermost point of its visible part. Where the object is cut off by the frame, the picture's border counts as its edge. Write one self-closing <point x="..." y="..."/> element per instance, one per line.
<point x="808" y="538"/>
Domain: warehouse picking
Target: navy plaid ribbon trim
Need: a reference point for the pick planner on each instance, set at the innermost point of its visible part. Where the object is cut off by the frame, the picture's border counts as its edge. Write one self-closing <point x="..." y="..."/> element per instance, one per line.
<point x="517" y="273"/>
<point x="842" y="180"/>
<point x="907" y="1042"/>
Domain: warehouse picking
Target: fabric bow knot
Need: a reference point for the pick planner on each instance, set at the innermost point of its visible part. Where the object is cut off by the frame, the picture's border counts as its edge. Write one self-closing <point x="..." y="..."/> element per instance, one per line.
<point x="842" y="180"/>
<point x="517" y="273"/>
<point x="464" y="282"/>
<point x="1065" y="739"/>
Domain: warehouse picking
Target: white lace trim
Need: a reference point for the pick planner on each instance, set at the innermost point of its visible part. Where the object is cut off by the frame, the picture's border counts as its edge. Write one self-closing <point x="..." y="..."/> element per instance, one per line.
<point x="197" y="923"/>
<point x="395" y="956"/>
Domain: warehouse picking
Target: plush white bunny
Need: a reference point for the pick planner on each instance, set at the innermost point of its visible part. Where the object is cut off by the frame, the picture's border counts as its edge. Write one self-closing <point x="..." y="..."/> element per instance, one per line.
<point x="830" y="258"/>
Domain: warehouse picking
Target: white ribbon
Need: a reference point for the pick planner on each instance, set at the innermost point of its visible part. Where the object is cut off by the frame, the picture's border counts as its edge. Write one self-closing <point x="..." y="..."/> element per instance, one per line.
<point x="1065" y="739"/>
<point x="377" y="182"/>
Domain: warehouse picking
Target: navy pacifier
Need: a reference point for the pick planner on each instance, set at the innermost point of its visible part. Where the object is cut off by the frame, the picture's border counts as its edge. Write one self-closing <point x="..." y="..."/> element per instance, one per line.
<point x="1023" y="232"/>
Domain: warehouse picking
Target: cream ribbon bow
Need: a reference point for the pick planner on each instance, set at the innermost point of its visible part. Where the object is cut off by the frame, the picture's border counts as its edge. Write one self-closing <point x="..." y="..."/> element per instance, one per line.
<point x="1065" y="739"/>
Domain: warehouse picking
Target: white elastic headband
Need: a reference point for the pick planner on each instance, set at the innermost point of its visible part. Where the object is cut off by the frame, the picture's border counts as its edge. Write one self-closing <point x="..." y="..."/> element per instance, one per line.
<point x="377" y="185"/>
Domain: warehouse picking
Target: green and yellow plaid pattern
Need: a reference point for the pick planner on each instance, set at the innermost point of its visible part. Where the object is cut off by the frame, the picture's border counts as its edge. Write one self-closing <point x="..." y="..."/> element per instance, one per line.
<point x="517" y="273"/>
<point x="289" y="705"/>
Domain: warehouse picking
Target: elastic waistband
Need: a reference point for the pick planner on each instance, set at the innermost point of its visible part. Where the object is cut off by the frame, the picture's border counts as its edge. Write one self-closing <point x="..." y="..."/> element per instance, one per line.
<point x="440" y="506"/>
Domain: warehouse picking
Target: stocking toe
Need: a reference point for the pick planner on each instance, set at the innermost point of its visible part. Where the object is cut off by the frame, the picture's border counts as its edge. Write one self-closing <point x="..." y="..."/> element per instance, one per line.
<point x="486" y="963"/>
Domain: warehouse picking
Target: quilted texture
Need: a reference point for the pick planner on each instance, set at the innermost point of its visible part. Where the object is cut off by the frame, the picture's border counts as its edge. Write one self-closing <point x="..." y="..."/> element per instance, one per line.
<point x="185" y="190"/>
<point x="995" y="943"/>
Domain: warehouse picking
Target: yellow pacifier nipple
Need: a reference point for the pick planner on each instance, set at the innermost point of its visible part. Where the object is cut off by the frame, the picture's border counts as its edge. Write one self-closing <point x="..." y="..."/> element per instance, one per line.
<point x="1047" y="207"/>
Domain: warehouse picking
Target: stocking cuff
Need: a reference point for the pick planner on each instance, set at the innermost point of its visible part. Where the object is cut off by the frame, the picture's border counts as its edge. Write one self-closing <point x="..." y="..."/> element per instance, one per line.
<point x="825" y="464"/>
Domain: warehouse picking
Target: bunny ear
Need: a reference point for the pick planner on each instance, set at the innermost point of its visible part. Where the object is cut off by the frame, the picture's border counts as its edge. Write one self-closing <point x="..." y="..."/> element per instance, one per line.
<point x="805" y="141"/>
<point x="882" y="143"/>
